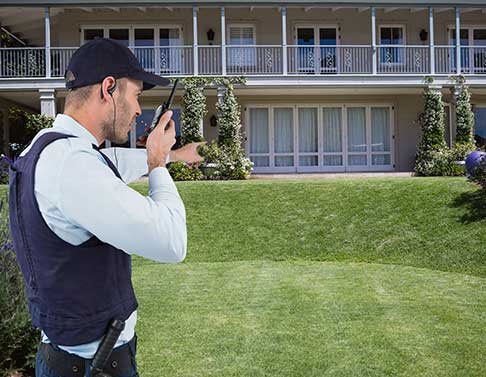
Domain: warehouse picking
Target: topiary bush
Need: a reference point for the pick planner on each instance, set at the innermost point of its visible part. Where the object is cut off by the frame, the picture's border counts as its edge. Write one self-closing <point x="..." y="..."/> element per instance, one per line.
<point x="18" y="340"/>
<point x="432" y="147"/>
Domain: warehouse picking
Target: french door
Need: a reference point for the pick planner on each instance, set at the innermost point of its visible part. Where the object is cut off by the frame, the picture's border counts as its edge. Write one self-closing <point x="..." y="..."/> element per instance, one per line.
<point x="316" y="51"/>
<point x="320" y="138"/>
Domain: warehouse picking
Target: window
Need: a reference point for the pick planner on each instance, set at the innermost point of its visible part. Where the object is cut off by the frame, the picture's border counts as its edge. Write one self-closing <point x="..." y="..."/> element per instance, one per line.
<point x="393" y="36"/>
<point x="241" y="35"/>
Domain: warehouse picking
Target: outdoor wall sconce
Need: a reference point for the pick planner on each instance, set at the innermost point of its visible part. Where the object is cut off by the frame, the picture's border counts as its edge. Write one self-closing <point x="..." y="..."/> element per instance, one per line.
<point x="210" y="35"/>
<point x="423" y="35"/>
<point x="213" y="121"/>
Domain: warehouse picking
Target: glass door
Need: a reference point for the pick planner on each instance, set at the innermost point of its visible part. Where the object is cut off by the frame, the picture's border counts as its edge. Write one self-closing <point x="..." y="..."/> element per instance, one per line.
<point x="144" y="48"/>
<point x="380" y="136"/>
<point x="283" y="129"/>
<point x="332" y="138"/>
<point x="306" y="50"/>
<point x="259" y="137"/>
<point x="479" y="50"/>
<point x="308" y="136"/>
<point x="170" y="55"/>
<point x="327" y="49"/>
<point x="357" y="137"/>
<point x="121" y="35"/>
<point x="464" y="42"/>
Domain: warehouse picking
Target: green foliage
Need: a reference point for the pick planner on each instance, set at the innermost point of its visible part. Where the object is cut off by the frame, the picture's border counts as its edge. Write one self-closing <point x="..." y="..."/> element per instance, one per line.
<point x="225" y="159"/>
<point x="181" y="172"/>
<point x="432" y="147"/>
<point x="31" y="123"/>
<point x="464" y="117"/>
<point x="194" y="110"/>
<point x="18" y="340"/>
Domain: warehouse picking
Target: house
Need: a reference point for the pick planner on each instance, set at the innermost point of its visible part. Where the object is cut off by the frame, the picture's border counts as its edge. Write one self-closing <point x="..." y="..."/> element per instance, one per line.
<point x="331" y="86"/>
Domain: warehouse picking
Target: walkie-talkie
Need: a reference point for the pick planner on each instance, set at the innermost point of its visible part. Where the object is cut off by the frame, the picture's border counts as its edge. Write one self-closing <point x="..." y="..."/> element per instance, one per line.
<point x="162" y="109"/>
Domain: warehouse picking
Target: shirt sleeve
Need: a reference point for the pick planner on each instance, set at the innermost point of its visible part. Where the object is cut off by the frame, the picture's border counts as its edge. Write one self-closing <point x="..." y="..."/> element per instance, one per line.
<point x="95" y="199"/>
<point x="130" y="162"/>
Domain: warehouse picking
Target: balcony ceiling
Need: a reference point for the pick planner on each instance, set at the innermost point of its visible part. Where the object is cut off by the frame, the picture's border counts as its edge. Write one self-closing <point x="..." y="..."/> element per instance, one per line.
<point x="239" y="2"/>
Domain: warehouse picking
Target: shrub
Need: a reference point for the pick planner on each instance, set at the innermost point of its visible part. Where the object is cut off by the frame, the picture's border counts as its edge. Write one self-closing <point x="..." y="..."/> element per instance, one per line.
<point x="432" y="147"/>
<point x="18" y="340"/>
<point x="225" y="161"/>
<point x="181" y="172"/>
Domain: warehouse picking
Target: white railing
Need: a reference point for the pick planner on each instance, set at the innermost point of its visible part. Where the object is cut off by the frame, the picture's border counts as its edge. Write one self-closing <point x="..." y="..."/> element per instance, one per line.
<point x="403" y="59"/>
<point x="166" y="60"/>
<point x="262" y="60"/>
<point x="22" y="62"/>
<point x="329" y="59"/>
<point x="60" y="57"/>
<point x="473" y="59"/>
<point x="254" y="60"/>
<point x="445" y="58"/>
<point x="209" y="60"/>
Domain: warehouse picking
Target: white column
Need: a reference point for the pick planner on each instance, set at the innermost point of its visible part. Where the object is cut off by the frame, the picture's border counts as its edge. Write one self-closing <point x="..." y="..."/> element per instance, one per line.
<point x="195" y="41"/>
<point x="221" y="91"/>
<point x="373" y="40"/>
<point x="47" y="22"/>
<point x="48" y="102"/>
<point x="431" y="41"/>
<point x="284" y="40"/>
<point x="458" y="40"/>
<point x="223" y="42"/>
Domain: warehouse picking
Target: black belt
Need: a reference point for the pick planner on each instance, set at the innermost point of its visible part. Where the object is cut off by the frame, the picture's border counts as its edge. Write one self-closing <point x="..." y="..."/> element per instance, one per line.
<point x="69" y="365"/>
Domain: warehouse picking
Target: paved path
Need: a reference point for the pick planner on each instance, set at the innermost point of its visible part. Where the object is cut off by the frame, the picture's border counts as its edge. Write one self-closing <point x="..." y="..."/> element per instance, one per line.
<point x="320" y="176"/>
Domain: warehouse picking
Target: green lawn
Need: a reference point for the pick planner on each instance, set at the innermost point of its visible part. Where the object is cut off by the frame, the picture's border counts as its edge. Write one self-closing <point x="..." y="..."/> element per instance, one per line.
<point x="362" y="277"/>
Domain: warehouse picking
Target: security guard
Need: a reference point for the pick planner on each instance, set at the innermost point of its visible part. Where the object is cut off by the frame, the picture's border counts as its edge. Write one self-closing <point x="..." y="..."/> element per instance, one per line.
<point x="75" y="222"/>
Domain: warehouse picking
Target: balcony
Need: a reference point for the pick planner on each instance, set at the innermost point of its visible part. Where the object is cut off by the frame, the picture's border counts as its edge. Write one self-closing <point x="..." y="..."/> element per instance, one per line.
<point x="269" y="60"/>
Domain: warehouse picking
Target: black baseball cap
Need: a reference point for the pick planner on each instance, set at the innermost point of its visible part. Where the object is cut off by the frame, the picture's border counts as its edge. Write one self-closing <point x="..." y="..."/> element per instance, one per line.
<point x="104" y="57"/>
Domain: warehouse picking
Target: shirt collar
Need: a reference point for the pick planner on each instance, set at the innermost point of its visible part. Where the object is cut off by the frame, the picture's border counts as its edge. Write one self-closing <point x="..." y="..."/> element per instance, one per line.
<point x="68" y="125"/>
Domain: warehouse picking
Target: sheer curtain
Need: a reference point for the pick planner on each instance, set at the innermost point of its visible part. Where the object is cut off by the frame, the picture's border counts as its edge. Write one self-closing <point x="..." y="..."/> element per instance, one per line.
<point x="308" y="136"/>
<point x="357" y="135"/>
<point x="380" y="135"/>
<point x="259" y="139"/>
<point x="284" y="136"/>
<point x="332" y="135"/>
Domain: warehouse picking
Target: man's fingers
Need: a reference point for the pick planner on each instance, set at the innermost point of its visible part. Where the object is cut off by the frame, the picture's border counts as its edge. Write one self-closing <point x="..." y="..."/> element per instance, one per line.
<point x="164" y="119"/>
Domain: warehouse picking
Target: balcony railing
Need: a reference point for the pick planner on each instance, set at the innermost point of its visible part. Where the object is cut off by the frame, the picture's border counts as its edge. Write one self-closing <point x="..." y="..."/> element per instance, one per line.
<point x="263" y="60"/>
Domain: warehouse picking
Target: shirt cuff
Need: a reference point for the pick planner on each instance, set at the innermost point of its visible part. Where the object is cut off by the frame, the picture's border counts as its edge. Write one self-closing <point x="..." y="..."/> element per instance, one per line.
<point x="160" y="181"/>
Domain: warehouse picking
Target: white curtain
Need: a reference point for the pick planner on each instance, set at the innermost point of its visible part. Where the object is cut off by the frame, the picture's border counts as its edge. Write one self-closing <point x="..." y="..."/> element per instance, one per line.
<point x="307" y="130"/>
<point x="356" y="129"/>
<point x="259" y="138"/>
<point x="284" y="131"/>
<point x="380" y="129"/>
<point x="332" y="131"/>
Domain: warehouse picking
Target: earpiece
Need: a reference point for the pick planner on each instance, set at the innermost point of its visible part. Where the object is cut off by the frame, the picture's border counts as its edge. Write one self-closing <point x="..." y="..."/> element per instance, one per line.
<point x="110" y="90"/>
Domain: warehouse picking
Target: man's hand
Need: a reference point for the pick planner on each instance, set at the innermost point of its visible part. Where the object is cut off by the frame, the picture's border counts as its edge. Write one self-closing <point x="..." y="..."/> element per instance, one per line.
<point x="160" y="141"/>
<point x="188" y="154"/>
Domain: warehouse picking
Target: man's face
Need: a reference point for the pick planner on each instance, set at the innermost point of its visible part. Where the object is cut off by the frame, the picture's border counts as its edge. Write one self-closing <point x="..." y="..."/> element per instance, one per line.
<point x="127" y="109"/>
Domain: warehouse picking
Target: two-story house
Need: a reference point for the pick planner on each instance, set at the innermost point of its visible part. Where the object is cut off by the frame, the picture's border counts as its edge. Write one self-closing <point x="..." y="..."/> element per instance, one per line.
<point x="331" y="86"/>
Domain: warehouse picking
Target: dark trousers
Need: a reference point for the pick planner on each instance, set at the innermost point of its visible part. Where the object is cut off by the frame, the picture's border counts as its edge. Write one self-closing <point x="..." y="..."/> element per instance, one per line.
<point x="42" y="370"/>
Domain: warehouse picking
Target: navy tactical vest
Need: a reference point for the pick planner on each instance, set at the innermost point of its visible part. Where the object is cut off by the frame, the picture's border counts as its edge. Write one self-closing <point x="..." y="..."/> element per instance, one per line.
<point x="72" y="291"/>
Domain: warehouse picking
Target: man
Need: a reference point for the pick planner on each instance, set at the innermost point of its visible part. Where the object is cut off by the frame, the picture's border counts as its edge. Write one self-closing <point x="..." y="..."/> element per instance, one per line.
<point x="75" y="222"/>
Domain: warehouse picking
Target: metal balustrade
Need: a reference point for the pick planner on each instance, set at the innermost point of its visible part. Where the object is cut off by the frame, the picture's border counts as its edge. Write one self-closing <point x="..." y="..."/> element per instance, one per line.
<point x="262" y="60"/>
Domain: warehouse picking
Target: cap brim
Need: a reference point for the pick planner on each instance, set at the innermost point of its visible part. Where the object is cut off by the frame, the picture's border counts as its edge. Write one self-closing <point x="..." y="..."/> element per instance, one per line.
<point x="149" y="79"/>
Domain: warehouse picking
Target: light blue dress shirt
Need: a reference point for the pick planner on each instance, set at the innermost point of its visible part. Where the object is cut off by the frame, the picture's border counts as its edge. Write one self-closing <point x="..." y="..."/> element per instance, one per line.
<point x="79" y="196"/>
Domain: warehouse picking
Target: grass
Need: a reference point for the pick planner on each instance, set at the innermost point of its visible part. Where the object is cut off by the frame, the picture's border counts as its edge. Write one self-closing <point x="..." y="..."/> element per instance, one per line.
<point x="377" y="277"/>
